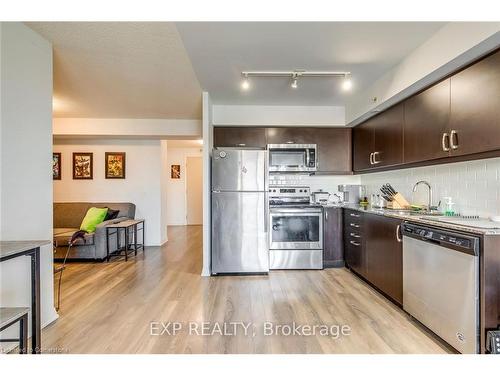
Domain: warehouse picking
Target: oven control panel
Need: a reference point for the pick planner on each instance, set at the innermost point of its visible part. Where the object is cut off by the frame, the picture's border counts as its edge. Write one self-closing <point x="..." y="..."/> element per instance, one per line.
<point x="282" y="195"/>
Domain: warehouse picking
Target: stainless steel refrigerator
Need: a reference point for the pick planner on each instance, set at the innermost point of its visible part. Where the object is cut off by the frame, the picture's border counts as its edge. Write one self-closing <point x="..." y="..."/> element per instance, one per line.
<point x="239" y="211"/>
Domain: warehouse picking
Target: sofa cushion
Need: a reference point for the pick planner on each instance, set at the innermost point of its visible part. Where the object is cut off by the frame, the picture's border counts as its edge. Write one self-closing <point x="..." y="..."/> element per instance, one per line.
<point x="111" y="214"/>
<point x="62" y="239"/>
<point x="93" y="217"/>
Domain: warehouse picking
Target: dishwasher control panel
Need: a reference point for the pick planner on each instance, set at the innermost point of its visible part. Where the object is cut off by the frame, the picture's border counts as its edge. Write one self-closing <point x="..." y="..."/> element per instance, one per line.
<point x="441" y="236"/>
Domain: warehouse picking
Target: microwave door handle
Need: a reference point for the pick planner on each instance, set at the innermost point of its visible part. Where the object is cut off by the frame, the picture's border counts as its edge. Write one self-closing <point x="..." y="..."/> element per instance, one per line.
<point x="307" y="157"/>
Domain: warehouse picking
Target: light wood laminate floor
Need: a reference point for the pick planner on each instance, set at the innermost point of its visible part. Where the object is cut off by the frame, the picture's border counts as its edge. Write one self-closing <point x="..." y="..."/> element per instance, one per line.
<point x="109" y="307"/>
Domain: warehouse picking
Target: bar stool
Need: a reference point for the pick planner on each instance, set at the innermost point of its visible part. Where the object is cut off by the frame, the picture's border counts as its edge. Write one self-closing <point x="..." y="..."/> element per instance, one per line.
<point x="12" y="315"/>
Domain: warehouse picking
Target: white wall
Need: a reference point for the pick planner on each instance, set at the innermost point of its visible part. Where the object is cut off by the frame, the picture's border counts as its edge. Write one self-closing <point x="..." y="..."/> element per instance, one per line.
<point x="453" y="46"/>
<point x="135" y="128"/>
<point x="473" y="185"/>
<point x="247" y="115"/>
<point x="26" y="159"/>
<point x="176" y="188"/>
<point x="207" y="202"/>
<point x="142" y="185"/>
<point x="164" y="174"/>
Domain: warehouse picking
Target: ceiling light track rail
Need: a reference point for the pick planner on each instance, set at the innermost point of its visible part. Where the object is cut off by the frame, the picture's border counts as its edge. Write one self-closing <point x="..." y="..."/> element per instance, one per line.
<point x="294" y="76"/>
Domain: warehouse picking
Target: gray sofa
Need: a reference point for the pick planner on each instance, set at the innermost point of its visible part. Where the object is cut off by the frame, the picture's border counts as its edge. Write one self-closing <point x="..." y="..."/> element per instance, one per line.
<point x="67" y="220"/>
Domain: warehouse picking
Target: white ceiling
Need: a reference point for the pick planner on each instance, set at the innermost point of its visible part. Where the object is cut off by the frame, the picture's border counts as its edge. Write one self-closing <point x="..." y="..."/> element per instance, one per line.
<point x="121" y="70"/>
<point x="220" y="51"/>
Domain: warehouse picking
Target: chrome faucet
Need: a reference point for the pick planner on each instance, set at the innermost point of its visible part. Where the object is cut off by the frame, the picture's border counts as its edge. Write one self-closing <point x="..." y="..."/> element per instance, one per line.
<point x="429" y="206"/>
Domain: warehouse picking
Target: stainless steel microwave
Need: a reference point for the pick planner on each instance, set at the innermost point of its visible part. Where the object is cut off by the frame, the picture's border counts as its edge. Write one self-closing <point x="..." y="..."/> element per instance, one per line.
<point x="292" y="158"/>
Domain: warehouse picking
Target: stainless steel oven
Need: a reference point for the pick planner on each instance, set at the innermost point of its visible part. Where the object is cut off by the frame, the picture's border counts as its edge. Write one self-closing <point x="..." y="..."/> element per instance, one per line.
<point x="296" y="238"/>
<point x="292" y="158"/>
<point x="296" y="228"/>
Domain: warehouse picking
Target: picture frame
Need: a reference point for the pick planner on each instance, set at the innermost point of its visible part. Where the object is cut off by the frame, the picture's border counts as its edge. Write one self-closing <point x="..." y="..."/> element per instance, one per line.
<point x="83" y="166"/>
<point x="114" y="165"/>
<point x="56" y="165"/>
<point x="175" y="171"/>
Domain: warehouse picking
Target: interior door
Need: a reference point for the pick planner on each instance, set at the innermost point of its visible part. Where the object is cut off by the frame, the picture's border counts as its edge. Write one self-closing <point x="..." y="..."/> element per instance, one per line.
<point x="194" y="190"/>
<point x="475" y="109"/>
<point x="427" y="116"/>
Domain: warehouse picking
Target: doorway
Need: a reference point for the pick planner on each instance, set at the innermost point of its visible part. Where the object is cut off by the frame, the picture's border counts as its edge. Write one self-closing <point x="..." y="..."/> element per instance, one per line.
<point x="194" y="190"/>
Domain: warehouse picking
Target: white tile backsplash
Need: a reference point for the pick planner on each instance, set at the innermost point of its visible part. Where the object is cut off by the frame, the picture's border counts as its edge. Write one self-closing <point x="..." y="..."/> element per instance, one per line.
<point x="327" y="183"/>
<point x="473" y="185"/>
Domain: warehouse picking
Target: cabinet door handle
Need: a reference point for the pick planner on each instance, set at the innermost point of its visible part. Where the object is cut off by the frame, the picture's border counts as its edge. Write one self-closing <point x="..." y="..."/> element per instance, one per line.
<point x="445" y="139"/>
<point x="241" y="144"/>
<point x="354" y="215"/>
<point x="371" y="158"/>
<point x="453" y="138"/>
<point x="326" y="215"/>
<point x="375" y="161"/>
<point x="354" y="225"/>
<point x="355" y="235"/>
<point x="354" y="243"/>
<point x="398" y="233"/>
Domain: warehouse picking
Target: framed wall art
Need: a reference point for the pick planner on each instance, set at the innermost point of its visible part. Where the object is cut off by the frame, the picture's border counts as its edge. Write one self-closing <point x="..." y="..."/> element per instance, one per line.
<point x="114" y="164"/>
<point x="175" y="171"/>
<point x="56" y="165"/>
<point x="83" y="166"/>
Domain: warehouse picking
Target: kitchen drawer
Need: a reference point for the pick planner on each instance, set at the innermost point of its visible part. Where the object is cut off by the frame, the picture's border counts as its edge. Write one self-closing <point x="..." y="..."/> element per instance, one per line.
<point x="353" y="235"/>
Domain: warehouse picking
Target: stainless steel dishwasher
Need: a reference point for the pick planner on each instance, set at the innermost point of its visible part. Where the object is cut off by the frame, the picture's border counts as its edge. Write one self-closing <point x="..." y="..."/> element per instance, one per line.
<point x="441" y="283"/>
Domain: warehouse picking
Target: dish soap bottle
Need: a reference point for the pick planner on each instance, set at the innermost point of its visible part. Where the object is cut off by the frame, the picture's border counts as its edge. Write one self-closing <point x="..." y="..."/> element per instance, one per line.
<point x="448" y="206"/>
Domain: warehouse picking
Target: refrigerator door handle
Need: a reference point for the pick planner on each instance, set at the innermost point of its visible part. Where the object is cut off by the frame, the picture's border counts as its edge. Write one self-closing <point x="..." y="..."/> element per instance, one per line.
<point x="266" y="212"/>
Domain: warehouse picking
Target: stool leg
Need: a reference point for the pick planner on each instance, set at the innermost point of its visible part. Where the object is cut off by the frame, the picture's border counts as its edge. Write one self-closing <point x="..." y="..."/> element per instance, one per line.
<point x="23" y="334"/>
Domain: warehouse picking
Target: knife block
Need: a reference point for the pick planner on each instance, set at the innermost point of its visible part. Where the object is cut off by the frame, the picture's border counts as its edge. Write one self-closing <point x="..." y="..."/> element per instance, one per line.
<point x="399" y="202"/>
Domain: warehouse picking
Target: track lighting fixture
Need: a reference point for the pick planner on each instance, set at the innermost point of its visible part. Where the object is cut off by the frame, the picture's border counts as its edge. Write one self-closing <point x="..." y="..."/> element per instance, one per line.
<point x="295" y="74"/>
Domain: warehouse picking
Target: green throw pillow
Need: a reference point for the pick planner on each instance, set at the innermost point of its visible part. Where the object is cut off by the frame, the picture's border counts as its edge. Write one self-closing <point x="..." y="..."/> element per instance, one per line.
<point x="93" y="217"/>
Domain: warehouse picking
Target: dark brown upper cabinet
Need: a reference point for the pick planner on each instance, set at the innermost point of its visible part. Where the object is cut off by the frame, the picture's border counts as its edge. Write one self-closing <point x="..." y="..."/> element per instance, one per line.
<point x="475" y="108"/>
<point x="290" y="135"/>
<point x="378" y="142"/>
<point x="334" y="150"/>
<point x="426" y="121"/>
<point x="239" y="137"/>
<point x="363" y="143"/>
<point x="334" y="145"/>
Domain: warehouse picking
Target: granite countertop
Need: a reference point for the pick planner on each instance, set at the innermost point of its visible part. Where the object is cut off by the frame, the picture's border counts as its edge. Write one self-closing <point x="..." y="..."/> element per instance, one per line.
<point x="8" y="248"/>
<point x="422" y="219"/>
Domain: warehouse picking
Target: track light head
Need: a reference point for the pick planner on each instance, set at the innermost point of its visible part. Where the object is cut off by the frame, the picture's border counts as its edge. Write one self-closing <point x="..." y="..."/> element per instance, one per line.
<point x="346" y="83"/>
<point x="245" y="85"/>
<point x="295" y="82"/>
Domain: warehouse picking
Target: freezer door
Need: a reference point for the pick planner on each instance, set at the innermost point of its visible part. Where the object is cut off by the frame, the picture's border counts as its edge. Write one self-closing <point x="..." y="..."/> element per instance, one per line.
<point x="239" y="235"/>
<point x="238" y="170"/>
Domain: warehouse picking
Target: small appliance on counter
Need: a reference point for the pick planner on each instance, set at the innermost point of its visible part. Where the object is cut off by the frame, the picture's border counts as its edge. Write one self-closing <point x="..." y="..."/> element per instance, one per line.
<point x="320" y="197"/>
<point x="351" y="193"/>
<point x="295" y="229"/>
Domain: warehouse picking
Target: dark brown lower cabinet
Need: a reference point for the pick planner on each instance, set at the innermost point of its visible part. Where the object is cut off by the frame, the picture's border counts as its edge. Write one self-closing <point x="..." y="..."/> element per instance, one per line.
<point x="384" y="255"/>
<point x="333" y="244"/>
<point x="373" y="250"/>
<point x="354" y="249"/>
